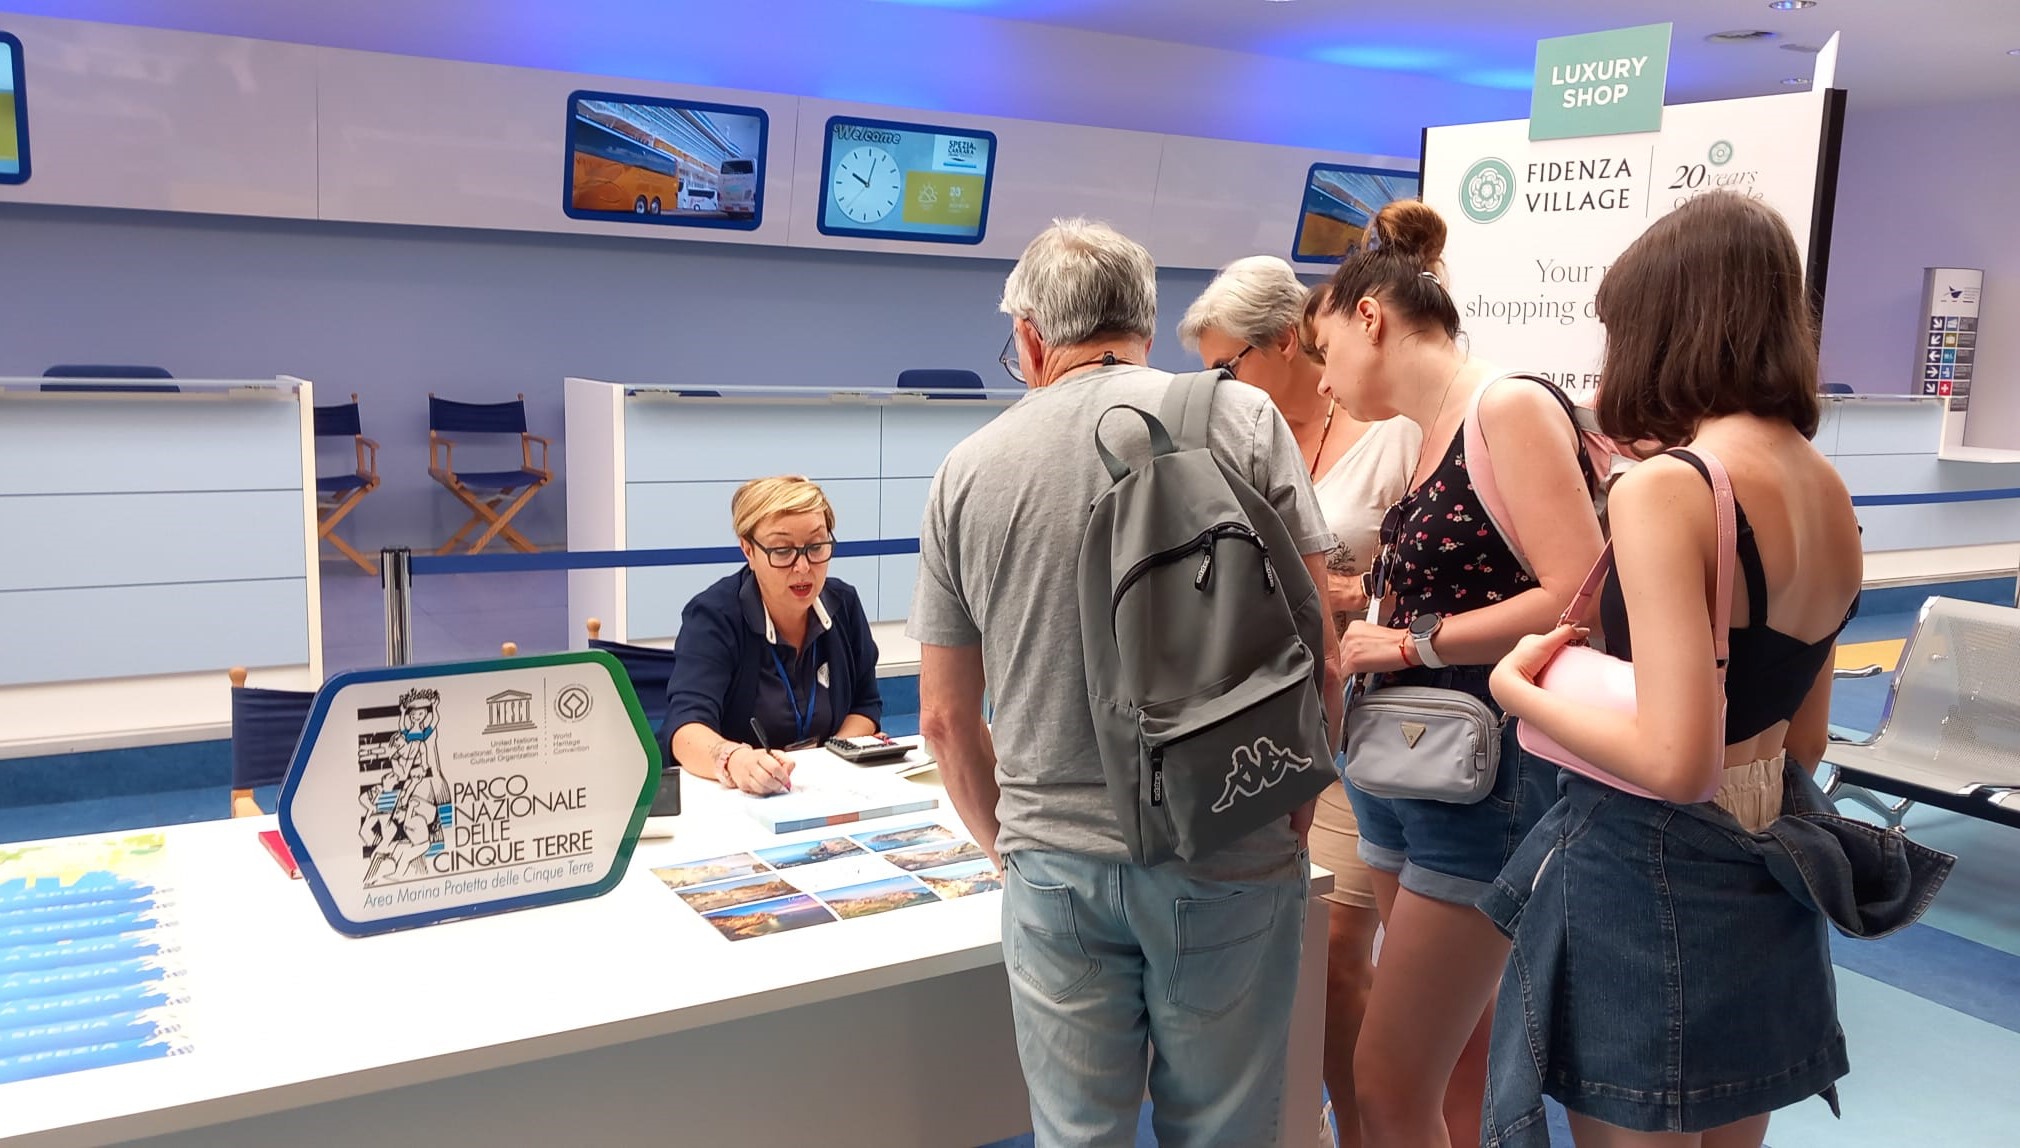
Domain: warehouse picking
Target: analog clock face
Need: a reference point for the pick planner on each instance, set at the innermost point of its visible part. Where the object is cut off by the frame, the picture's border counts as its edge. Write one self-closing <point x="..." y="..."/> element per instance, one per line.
<point x="866" y="184"/>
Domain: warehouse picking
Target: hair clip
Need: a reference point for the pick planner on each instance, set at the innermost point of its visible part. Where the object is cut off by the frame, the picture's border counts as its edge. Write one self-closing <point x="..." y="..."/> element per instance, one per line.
<point x="1433" y="278"/>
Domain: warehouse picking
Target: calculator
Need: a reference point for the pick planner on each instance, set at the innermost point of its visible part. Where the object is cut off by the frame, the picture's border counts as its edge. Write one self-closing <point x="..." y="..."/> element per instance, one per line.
<point x="871" y="750"/>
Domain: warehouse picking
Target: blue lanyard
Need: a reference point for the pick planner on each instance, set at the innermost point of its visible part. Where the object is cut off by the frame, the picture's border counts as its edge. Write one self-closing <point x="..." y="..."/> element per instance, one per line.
<point x="803" y="723"/>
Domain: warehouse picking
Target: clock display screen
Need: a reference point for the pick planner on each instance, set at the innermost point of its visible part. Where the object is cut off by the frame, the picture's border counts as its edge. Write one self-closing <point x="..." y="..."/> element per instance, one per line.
<point x="885" y="180"/>
<point x="635" y="159"/>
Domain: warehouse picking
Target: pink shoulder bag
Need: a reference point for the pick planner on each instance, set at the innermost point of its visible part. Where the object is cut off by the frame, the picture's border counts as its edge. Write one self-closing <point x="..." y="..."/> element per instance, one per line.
<point x="1602" y="680"/>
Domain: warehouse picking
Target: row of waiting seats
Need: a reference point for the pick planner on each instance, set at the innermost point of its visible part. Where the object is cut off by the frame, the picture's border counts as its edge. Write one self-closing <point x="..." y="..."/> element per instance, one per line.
<point x="266" y="724"/>
<point x="493" y="497"/>
<point x="1949" y="736"/>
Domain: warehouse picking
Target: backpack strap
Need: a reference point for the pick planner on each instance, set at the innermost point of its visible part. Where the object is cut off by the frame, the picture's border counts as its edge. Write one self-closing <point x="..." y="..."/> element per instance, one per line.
<point x="1188" y="407"/>
<point x="1480" y="464"/>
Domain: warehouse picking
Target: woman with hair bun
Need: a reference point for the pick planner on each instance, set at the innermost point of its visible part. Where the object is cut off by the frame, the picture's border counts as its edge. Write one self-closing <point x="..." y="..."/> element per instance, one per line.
<point x="1456" y="599"/>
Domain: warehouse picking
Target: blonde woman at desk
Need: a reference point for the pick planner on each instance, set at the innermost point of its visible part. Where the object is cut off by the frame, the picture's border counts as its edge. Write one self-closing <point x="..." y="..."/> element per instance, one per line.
<point x="776" y="656"/>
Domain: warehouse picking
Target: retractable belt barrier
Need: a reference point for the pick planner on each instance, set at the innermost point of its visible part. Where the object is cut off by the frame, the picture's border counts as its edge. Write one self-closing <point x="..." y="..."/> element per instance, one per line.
<point x="398" y="567"/>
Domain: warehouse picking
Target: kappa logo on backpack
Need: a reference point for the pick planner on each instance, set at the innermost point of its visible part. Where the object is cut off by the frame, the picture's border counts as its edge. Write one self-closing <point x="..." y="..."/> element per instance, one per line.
<point x="1201" y="628"/>
<point x="1256" y="768"/>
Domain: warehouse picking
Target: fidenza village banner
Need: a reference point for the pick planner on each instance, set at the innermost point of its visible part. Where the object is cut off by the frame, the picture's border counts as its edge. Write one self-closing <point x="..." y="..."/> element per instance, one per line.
<point x="1535" y="223"/>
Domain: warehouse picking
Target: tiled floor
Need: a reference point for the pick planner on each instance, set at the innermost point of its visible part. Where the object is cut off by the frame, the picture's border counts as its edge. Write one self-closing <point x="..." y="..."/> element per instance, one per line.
<point x="1933" y="1014"/>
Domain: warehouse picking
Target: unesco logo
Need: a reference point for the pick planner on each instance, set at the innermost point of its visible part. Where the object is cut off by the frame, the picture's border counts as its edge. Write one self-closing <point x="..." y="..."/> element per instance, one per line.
<point x="572" y="703"/>
<point x="1487" y="191"/>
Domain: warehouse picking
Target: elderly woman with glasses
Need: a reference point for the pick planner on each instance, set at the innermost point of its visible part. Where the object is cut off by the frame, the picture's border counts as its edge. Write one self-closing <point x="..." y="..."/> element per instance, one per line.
<point x="776" y="656"/>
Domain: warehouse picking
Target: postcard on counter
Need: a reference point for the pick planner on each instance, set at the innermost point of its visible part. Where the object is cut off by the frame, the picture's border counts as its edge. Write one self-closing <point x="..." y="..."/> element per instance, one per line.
<point x="933" y="856"/>
<point x="871" y="898"/>
<point x="711" y="870"/>
<point x="741" y="891"/>
<point x="763" y="918"/>
<point x="884" y="840"/>
<point x="963" y="880"/>
<point x="808" y="852"/>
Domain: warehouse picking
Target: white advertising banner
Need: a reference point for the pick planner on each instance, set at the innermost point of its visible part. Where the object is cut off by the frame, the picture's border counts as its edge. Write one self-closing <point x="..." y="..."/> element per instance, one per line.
<point x="1535" y="224"/>
<point x="426" y="793"/>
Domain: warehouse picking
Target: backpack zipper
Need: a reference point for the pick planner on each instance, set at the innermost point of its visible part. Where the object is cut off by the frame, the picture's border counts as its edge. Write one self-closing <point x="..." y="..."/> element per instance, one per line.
<point x="1204" y="544"/>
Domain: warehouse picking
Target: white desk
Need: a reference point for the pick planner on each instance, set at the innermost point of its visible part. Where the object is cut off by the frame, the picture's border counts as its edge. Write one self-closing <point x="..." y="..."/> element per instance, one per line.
<point x="622" y="1019"/>
<point x="153" y="540"/>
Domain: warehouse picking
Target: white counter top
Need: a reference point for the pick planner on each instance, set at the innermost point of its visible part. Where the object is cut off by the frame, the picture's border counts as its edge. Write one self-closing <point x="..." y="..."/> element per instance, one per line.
<point x="286" y="1012"/>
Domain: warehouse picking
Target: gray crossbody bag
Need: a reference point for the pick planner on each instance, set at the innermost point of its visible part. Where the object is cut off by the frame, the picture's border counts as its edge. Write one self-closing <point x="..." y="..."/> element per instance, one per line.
<point x="1418" y="742"/>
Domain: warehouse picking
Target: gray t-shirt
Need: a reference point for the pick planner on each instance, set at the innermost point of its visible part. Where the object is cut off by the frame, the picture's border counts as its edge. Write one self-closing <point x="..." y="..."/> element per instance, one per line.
<point x="999" y="560"/>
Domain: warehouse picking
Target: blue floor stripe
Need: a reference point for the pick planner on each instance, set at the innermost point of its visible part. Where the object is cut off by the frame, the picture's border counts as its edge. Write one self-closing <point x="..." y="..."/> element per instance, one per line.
<point x="1942" y="968"/>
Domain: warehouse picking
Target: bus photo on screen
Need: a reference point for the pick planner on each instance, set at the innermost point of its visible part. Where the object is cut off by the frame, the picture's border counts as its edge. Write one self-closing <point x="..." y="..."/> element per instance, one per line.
<point x="13" y="114"/>
<point x="1340" y="201"/>
<point x="635" y="159"/>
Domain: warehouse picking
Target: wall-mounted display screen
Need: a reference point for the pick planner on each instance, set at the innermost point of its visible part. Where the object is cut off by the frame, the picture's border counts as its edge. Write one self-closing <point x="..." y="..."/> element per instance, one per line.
<point x="1340" y="202"/>
<point x="885" y="180"/>
<point x="636" y="159"/>
<point x="13" y="114"/>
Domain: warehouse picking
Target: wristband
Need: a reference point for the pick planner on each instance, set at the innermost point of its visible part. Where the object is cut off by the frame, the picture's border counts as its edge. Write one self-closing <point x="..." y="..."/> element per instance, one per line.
<point x="723" y="753"/>
<point x="1409" y="654"/>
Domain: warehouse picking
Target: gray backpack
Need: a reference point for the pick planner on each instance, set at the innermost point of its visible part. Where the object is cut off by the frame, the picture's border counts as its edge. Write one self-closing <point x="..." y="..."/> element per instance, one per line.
<point x="1202" y="631"/>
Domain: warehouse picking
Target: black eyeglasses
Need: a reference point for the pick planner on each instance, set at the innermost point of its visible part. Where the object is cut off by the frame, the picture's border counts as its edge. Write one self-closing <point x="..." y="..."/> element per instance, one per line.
<point x="1230" y="364"/>
<point x="786" y="557"/>
<point x="1009" y="357"/>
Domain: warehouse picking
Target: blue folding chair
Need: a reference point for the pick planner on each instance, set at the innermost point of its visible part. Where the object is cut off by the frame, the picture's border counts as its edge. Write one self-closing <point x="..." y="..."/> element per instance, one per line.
<point x="486" y="492"/>
<point x="339" y="494"/>
<point x="941" y="380"/>
<point x="649" y="668"/>
<point x="106" y="371"/>
<point x="265" y="725"/>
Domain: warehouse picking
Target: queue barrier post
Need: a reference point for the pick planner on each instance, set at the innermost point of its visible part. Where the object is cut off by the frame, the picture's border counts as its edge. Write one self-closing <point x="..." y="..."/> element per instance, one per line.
<point x="396" y="578"/>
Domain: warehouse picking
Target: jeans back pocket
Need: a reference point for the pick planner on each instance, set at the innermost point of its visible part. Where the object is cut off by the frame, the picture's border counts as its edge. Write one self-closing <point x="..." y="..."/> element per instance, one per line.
<point x="1221" y="943"/>
<point x="1045" y="946"/>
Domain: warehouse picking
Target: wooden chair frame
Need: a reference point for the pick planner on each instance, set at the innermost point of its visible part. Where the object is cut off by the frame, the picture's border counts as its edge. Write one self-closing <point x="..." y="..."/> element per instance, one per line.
<point x="242" y="803"/>
<point x="329" y="514"/>
<point x="483" y="508"/>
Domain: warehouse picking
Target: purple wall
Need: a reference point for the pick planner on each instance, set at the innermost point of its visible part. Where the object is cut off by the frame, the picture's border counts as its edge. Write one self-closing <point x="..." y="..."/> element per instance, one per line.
<point x="1919" y="187"/>
<point x="394" y="313"/>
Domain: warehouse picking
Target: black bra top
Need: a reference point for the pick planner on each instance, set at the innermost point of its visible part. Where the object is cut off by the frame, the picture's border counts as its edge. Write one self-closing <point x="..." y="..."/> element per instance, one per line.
<point x="1769" y="673"/>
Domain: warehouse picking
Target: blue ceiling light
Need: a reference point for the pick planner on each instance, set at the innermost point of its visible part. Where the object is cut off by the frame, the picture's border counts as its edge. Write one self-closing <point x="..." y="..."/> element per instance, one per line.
<point x="1508" y="79"/>
<point x="1386" y="57"/>
<point x="1791" y="5"/>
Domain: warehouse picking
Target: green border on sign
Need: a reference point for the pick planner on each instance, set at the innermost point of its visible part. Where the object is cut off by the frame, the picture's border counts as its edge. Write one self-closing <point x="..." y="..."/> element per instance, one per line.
<point x="319" y="712"/>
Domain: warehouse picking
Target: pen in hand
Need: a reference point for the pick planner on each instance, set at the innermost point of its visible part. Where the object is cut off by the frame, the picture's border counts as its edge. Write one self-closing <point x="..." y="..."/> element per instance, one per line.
<point x="766" y="745"/>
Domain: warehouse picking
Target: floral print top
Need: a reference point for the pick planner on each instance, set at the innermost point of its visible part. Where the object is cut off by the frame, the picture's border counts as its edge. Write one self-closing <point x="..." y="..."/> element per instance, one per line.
<point x="1449" y="557"/>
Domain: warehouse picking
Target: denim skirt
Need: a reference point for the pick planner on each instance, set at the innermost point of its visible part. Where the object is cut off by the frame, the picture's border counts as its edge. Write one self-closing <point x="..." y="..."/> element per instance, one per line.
<point x="1670" y="971"/>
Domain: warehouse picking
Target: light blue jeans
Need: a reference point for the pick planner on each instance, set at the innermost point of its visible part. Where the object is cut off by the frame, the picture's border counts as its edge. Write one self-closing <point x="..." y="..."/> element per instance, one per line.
<point x="1114" y="967"/>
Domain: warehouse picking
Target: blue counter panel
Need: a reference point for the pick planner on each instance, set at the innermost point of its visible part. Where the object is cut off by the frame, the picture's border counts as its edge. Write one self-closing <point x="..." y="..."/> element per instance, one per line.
<point x="59" y="541"/>
<point x="670" y="441"/>
<point x="128" y="631"/>
<point x="127" y="444"/>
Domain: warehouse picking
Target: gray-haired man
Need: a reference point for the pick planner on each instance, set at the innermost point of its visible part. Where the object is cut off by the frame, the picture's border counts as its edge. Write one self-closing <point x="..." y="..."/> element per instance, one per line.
<point x="1107" y="958"/>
